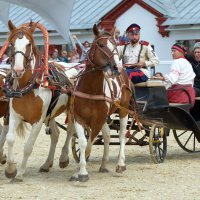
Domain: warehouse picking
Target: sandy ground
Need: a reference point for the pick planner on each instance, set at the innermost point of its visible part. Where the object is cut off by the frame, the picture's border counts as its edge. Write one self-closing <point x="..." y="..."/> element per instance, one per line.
<point x="177" y="178"/>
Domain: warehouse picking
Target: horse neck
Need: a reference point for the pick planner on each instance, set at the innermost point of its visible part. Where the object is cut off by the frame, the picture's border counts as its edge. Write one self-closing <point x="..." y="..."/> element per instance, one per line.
<point x="92" y="82"/>
<point x="23" y="81"/>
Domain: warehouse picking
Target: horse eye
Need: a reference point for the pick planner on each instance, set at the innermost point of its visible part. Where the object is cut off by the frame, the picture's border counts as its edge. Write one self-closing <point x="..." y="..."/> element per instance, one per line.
<point x="101" y="45"/>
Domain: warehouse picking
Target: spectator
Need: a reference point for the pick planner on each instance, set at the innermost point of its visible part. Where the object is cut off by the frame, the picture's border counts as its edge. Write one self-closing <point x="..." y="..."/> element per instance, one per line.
<point x="63" y="57"/>
<point x="74" y="57"/>
<point x="4" y="59"/>
<point x="84" y="48"/>
<point x="120" y="40"/>
<point x="195" y="62"/>
<point x="54" y="57"/>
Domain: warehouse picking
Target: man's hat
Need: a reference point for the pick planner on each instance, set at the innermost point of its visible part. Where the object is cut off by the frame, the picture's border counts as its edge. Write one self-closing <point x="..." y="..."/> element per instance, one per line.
<point x="179" y="47"/>
<point x="133" y="28"/>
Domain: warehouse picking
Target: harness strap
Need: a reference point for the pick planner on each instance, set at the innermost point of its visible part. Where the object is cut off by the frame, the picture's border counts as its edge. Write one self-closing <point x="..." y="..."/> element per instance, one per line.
<point x="123" y="53"/>
<point x="92" y="97"/>
<point x="140" y="53"/>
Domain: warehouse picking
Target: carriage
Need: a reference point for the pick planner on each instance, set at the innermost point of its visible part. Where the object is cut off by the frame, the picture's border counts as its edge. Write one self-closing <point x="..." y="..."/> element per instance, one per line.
<point x="152" y="100"/>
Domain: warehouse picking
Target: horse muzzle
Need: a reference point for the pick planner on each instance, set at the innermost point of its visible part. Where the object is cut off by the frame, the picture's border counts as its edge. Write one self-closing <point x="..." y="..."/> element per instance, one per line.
<point x="110" y="71"/>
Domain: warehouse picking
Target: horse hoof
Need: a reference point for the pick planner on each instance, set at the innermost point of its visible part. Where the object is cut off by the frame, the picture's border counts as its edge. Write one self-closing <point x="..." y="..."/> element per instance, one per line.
<point x="120" y="169"/>
<point x="83" y="178"/>
<point x="3" y="162"/>
<point x="63" y="164"/>
<point x="16" y="180"/>
<point x="103" y="170"/>
<point x="43" y="170"/>
<point x="73" y="178"/>
<point x="11" y="175"/>
<point x="80" y="178"/>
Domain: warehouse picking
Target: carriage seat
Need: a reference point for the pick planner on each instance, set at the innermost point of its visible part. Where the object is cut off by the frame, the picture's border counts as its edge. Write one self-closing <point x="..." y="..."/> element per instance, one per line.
<point x="150" y="83"/>
<point x="185" y="106"/>
<point x="197" y="98"/>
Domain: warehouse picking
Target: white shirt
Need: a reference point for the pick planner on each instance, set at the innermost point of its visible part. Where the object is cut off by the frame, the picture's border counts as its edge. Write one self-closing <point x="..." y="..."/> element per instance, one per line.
<point x="181" y="72"/>
<point x="132" y="52"/>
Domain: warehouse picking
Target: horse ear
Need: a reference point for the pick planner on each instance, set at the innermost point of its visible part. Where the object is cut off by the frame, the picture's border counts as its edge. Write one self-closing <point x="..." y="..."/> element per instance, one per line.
<point x="11" y="26"/>
<point x="112" y="32"/>
<point x="32" y="26"/>
<point x="95" y="30"/>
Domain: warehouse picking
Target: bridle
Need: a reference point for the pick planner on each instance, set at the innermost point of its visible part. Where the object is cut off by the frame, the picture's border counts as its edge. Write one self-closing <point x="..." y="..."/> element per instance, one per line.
<point x="92" y="51"/>
<point x="28" y="57"/>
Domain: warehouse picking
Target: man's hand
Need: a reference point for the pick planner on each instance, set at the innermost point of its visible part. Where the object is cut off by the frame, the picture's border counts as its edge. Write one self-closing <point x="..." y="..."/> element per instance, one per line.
<point x="141" y="64"/>
<point x="74" y="37"/>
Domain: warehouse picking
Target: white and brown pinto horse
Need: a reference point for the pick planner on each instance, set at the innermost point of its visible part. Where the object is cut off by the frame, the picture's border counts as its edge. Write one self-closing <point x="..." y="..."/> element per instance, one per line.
<point x="30" y="107"/>
<point x="98" y="87"/>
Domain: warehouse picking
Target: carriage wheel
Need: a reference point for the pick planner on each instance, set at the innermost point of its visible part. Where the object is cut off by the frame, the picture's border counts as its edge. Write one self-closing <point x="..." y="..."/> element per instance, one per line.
<point x="158" y="144"/>
<point x="76" y="149"/>
<point x="187" y="141"/>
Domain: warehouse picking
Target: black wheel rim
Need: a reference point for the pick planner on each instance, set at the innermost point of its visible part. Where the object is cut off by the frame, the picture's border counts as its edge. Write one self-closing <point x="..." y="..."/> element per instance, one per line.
<point x="187" y="141"/>
<point x="158" y="144"/>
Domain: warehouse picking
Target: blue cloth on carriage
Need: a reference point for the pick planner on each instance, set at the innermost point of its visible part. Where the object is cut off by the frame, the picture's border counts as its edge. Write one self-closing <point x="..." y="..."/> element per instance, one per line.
<point x="136" y="75"/>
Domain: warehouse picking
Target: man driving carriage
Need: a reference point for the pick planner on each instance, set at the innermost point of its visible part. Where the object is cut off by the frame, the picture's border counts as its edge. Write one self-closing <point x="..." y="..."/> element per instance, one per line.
<point x="137" y="56"/>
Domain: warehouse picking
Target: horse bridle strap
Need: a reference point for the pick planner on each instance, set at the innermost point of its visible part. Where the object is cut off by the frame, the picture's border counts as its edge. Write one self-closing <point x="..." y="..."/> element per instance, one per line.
<point x="28" y="60"/>
<point x="95" y="44"/>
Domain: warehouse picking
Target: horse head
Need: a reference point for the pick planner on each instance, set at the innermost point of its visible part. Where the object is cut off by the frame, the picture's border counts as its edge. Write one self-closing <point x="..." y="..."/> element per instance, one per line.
<point x="23" y="49"/>
<point x="103" y="54"/>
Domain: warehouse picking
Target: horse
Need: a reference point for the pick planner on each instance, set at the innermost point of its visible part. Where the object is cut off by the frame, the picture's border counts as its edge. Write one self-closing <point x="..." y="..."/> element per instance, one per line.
<point x="3" y="113"/>
<point x="97" y="93"/>
<point x="29" y="101"/>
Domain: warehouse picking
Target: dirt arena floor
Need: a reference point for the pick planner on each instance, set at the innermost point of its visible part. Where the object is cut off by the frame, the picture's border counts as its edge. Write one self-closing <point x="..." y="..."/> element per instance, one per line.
<point x="177" y="178"/>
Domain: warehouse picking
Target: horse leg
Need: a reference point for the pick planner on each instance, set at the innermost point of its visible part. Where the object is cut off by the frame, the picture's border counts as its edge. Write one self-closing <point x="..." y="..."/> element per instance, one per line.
<point x="64" y="157"/>
<point x="28" y="147"/>
<point x="2" y="142"/>
<point x="54" y="140"/>
<point x="10" y="170"/>
<point x="1" y="127"/>
<point x="122" y="139"/>
<point x="82" y="175"/>
<point x="106" y="137"/>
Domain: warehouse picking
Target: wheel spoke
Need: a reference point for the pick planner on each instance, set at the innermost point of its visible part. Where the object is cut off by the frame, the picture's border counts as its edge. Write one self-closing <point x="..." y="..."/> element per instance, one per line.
<point x="188" y="143"/>
<point x="160" y="152"/>
<point x="181" y="133"/>
<point x="157" y="144"/>
<point x="188" y="139"/>
<point x="194" y="144"/>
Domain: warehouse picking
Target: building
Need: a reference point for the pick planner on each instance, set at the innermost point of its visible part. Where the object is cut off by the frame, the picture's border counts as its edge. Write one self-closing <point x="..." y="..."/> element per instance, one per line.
<point x="162" y="24"/>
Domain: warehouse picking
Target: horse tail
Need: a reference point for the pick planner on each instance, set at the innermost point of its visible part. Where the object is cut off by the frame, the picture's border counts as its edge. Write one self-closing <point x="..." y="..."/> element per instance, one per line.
<point x="21" y="129"/>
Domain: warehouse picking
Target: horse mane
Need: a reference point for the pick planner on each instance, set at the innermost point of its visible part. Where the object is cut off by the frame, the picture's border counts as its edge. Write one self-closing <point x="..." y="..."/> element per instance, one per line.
<point x="24" y="29"/>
